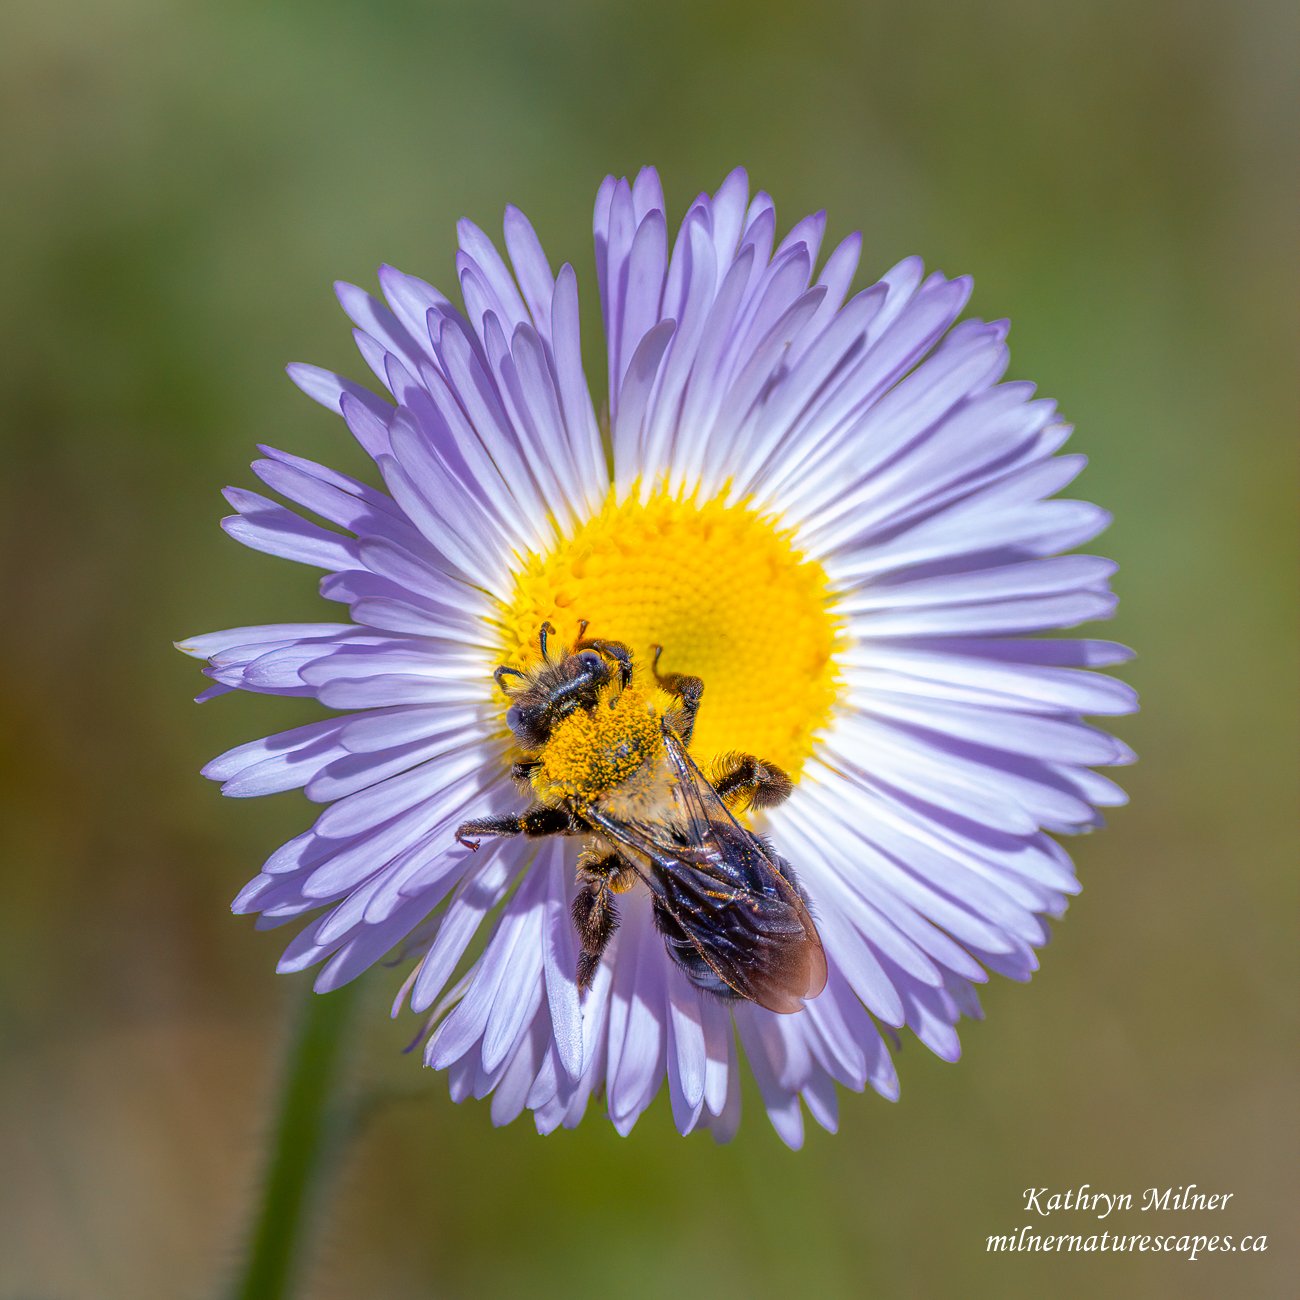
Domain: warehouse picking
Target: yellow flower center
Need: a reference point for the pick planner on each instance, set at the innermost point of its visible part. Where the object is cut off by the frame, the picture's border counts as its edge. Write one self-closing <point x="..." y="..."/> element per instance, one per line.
<point x="725" y="592"/>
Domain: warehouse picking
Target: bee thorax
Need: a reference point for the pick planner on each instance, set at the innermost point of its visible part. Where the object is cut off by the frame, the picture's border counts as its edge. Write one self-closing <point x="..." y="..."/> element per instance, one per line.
<point x="594" y="751"/>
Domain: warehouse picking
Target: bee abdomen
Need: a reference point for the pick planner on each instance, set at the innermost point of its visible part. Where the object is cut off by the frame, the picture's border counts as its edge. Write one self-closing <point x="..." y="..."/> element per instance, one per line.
<point x="687" y="956"/>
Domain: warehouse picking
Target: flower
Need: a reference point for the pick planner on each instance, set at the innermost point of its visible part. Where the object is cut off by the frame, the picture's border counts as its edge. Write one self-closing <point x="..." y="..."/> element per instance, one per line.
<point x="826" y="505"/>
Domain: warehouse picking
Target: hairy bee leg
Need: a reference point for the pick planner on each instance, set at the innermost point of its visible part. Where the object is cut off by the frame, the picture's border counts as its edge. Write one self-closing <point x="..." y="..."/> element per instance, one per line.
<point x="524" y="768"/>
<point x="615" y="650"/>
<point x="594" y="915"/>
<point x="744" y="781"/>
<point x="688" y="690"/>
<point x="534" y="822"/>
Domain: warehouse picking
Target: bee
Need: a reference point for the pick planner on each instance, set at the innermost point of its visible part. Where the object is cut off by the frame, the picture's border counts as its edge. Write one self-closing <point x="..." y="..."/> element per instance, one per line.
<point x="602" y="761"/>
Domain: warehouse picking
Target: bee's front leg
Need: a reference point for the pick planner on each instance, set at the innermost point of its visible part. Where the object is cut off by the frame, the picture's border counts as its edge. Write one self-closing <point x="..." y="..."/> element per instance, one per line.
<point x="615" y="650"/>
<point x="594" y="915"/>
<point x="688" y="690"/>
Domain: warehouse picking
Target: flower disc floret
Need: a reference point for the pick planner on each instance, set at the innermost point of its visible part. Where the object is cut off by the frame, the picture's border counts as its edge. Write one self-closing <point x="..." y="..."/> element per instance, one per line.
<point x="727" y="594"/>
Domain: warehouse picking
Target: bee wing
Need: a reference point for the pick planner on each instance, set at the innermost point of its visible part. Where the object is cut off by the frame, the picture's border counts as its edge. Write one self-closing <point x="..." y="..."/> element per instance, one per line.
<point x="760" y="941"/>
<point x="727" y="893"/>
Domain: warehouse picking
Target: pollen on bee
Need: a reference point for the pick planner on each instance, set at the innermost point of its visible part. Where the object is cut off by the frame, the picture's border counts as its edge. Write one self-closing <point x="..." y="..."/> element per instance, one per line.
<point x="596" y="750"/>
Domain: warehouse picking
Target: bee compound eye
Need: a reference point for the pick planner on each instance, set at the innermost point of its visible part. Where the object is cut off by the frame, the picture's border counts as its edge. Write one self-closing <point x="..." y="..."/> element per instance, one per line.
<point x="513" y="717"/>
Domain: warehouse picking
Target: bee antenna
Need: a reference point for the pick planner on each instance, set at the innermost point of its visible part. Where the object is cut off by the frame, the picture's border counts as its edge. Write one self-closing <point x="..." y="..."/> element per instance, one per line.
<point x="503" y="671"/>
<point x="546" y="630"/>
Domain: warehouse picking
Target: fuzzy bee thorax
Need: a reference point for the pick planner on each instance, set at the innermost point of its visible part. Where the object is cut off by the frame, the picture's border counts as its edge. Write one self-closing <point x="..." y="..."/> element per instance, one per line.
<point x="594" y="751"/>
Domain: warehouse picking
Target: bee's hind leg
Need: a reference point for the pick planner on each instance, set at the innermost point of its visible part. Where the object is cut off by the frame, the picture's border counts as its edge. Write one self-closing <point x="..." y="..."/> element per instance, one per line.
<point x="688" y="690"/>
<point x="594" y="915"/>
<point x="743" y="781"/>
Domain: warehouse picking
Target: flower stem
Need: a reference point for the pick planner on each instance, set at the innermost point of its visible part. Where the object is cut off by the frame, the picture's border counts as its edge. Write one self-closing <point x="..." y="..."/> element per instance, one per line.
<point x="302" y="1146"/>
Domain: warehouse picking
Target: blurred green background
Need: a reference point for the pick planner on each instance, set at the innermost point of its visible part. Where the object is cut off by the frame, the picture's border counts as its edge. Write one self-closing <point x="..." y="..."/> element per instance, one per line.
<point x="184" y="181"/>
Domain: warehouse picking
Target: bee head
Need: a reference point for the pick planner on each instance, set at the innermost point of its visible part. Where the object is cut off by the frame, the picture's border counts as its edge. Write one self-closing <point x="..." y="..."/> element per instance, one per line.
<point x="554" y="692"/>
<point x="587" y="664"/>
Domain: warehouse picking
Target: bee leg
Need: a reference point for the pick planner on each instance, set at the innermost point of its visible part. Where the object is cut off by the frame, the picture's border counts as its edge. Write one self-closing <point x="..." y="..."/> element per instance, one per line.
<point x="615" y="650"/>
<point x="594" y="915"/>
<point x="688" y="690"/>
<point x="743" y="781"/>
<point x="524" y="768"/>
<point x="534" y="822"/>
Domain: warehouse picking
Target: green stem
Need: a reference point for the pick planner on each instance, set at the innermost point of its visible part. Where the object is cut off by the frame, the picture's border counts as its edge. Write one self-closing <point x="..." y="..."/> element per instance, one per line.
<point x="301" y="1147"/>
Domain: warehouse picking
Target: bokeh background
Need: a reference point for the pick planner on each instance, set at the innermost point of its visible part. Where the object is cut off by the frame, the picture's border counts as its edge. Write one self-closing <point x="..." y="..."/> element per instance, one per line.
<point x="182" y="183"/>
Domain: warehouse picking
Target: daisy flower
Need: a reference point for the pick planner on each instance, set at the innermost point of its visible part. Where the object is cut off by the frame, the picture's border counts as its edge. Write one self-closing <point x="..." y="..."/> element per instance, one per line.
<point x="826" y="505"/>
